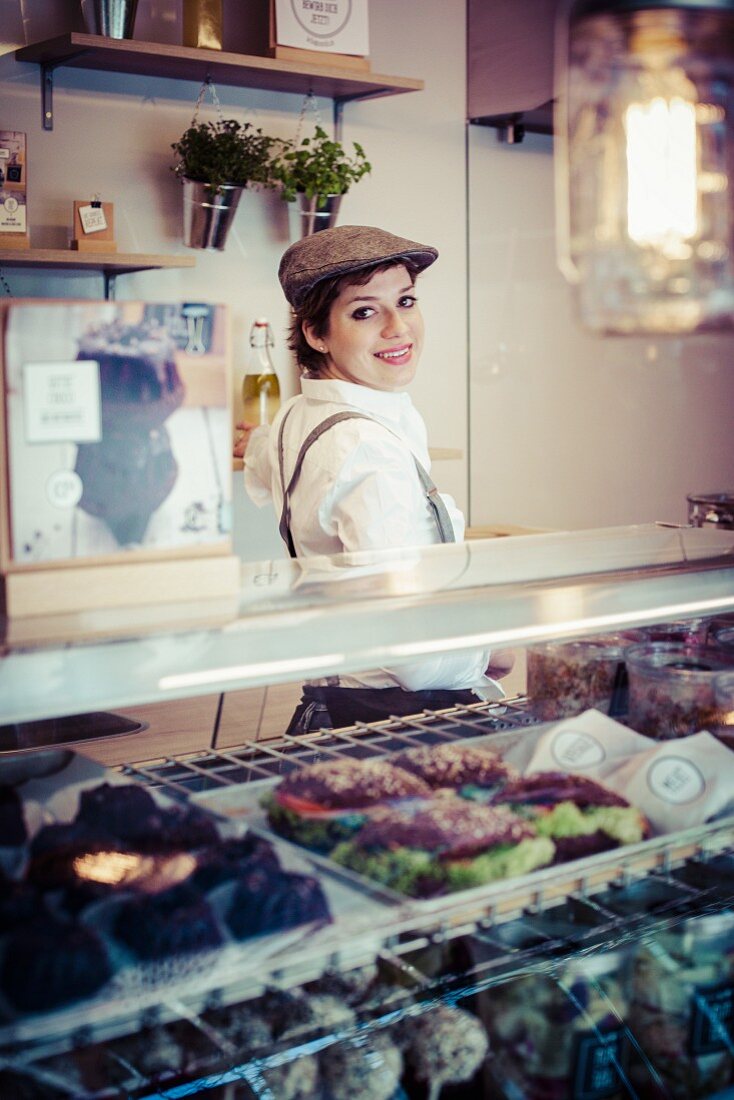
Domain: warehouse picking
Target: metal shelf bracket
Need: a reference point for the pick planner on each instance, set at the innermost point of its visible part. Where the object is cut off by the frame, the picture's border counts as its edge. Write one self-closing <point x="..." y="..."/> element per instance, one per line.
<point x="47" y="96"/>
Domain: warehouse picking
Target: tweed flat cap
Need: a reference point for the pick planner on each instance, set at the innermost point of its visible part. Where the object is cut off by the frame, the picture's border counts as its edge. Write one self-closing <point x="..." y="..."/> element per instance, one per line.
<point x="338" y="251"/>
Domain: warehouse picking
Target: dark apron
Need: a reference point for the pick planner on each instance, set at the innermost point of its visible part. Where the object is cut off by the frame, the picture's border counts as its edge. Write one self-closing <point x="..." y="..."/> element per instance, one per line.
<point x="333" y="707"/>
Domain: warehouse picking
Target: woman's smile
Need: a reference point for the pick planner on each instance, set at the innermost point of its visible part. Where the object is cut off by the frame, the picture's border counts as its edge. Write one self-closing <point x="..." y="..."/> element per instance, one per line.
<point x="375" y="333"/>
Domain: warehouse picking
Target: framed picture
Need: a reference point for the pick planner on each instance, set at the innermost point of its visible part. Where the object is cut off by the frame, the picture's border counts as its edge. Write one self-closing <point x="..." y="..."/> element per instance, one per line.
<point x="328" y="26"/>
<point x="117" y="432"/>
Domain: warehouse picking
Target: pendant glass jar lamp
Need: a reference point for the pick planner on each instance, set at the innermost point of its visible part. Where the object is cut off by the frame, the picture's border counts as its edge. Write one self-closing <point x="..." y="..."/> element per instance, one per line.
<point x="644" y="163"/>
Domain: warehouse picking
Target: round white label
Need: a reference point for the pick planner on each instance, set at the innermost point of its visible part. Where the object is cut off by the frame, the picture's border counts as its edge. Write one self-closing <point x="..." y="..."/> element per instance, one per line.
<point x="322" y="19"/>
<point x="675" y="779"/>
<point x="11" y="204"/>
<point x="575" y="750"/>
<point x="64" y="488"/>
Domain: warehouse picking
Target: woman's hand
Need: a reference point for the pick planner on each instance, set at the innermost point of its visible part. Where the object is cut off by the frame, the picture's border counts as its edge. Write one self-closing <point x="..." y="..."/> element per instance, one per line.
<point x="501" y="663"/>
<point x="243" y="438"/>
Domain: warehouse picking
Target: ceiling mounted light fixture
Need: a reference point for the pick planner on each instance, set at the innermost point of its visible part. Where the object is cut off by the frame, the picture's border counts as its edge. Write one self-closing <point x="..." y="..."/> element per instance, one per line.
<point x="645" y="163"/>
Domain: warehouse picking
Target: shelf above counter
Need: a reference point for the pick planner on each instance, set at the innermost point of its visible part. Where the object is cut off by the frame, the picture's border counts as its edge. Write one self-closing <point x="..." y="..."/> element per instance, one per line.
<point x="107" y="264"/>
<point x="89" y="51"/>
<point x="114" y="263"/>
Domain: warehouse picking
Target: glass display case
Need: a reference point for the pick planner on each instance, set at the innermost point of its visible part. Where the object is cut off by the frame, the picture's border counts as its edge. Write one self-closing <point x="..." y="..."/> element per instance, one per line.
<point x="166" y="930"/>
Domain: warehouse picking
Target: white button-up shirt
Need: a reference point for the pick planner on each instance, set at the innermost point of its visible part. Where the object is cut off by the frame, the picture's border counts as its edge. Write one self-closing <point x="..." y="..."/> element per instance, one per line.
<point x="359" y="490"/>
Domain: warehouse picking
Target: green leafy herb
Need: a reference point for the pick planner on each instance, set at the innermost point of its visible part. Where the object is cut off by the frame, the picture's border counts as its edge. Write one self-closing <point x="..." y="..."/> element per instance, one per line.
<point x="319" y="166"/>
<point x="225" y="152"/>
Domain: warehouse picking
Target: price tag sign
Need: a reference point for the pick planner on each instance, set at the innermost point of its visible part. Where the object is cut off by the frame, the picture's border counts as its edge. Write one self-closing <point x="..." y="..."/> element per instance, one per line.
<point x="62" y="402"/>
<point x="92" y="218"/>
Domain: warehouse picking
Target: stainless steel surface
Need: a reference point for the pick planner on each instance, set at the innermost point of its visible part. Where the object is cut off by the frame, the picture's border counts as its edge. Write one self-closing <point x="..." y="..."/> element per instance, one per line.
<point x="208" y="216"/>
<point x="110" y="18"/>
<point x="307" y="216"/>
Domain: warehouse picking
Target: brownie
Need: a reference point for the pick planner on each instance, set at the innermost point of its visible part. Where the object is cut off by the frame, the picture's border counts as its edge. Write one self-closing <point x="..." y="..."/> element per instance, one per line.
<point x="227" y="860"/>
<point x="130" y="813"/>
<point x="12" y="822"/>
<point x="122" y="810"/>
<point x="55" y="849"/>
<point x="49" y="963"/>
<point x="455" y="765"/>
<point x="352" y="784"/>
<point x="447" y="828"/>
<point x="175" y="922"/>
<point x="19" y="904"/>
<point x="268" y="900"/>
<point x="550" y="788"/>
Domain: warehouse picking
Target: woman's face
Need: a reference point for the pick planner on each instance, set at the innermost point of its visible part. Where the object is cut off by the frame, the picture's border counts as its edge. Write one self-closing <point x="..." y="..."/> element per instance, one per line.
<point x="375" y="333"/>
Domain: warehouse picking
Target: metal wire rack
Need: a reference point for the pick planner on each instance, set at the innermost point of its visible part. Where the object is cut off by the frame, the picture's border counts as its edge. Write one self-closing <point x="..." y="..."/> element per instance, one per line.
<point x="210" y="769"/>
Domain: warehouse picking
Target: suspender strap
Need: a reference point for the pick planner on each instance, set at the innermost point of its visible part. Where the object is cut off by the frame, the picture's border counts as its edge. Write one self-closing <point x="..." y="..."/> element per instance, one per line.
<point x="433" y="497"/>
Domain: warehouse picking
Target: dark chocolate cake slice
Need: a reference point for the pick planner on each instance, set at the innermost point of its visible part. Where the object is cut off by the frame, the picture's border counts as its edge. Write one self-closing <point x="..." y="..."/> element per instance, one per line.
<point x="49" y="963"/>
<point x="265" y="900"/>
<point x="175" y="922"/>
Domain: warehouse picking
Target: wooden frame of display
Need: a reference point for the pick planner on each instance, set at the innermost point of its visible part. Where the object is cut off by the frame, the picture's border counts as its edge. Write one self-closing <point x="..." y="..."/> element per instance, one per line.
<point x="130" y="576"/>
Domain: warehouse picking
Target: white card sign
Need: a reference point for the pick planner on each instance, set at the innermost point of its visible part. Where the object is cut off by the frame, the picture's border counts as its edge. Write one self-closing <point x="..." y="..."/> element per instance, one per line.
<point x="337" y="26"/>
<point x="92" y="218"/>
<point x="62" y="402"/>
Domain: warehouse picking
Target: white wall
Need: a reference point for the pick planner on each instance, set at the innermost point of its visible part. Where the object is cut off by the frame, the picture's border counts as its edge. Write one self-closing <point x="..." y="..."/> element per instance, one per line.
<point x="565" y="430"/>
<point x="570" y="430"/>
<point x="112" y="135"/>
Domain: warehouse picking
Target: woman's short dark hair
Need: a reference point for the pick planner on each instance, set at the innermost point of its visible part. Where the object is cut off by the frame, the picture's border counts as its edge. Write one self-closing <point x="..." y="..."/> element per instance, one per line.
<point x="316" y="309"/>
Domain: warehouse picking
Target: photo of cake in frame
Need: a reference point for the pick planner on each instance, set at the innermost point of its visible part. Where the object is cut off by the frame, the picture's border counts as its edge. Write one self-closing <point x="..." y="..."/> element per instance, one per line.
<point x="118" y="439"/>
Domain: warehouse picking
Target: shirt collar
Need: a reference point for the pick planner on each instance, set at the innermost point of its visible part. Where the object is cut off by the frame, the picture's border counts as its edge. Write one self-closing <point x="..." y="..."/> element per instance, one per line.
<point x="380" y="402"/>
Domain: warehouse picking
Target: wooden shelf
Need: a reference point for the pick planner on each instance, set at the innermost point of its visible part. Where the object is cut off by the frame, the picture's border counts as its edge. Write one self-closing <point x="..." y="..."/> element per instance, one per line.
<point x="89" y="51"/>
<point x="110" y="263"/>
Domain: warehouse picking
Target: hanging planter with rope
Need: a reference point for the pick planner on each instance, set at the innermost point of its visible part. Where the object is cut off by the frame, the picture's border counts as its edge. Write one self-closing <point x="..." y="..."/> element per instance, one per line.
<point x="216" y="161"/>
<point x="314" y="173"/>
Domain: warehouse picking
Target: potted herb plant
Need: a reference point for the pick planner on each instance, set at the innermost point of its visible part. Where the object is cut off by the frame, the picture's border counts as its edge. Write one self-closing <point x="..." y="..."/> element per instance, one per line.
<point x="314" y="174"/>
<point x="216" y="161"/>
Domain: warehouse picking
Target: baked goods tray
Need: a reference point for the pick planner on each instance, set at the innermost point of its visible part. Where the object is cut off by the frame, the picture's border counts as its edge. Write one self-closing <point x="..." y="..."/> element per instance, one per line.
<point x="82" y="890"/>
<point x="404" y="918"/>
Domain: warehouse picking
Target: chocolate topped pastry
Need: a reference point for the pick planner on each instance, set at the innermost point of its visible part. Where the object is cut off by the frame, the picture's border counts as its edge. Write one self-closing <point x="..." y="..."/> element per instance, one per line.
<point x="455" y="765"/>
<point x="269" y="900"/>
<point x="55" y="849"/>
<point x="48" y="963"/>
<point x="451" y="829"/>
<point x="353" y="784"/>
<point x="550" y="788"/>
<point x="123" y="810"/>
<point x="175" y="922"/>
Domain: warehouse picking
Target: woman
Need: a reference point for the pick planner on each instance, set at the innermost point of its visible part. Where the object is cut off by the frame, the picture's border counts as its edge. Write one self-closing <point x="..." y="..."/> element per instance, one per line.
<point x="346" y="462"/>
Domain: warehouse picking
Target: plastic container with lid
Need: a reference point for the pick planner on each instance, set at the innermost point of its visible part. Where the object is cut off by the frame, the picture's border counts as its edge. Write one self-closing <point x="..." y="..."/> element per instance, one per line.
<point x="563" y="1035"/>
<point x="680" y="1007"/>
<point x="566" y="678"/>
<point x="671" y="688"/>
<point x="724" y="700"/>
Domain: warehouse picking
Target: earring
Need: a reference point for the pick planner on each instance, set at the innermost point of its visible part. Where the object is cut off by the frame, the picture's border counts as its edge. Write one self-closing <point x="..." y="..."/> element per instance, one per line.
<point x="322" y="348"/>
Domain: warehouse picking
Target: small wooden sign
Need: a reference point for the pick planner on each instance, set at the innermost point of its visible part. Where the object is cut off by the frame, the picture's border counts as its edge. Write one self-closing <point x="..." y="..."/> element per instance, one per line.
<point x="94" y="227"/>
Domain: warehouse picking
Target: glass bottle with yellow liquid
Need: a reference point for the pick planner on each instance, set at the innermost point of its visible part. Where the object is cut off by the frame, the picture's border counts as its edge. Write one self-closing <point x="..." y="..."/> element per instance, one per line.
<point x="260" y="386"/>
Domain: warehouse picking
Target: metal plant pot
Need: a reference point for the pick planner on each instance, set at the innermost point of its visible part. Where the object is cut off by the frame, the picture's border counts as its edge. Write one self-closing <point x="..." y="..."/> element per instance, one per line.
<point x="111" y="18"/>
<point x="208" y="216"/>
<point x="307" y="216"/>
